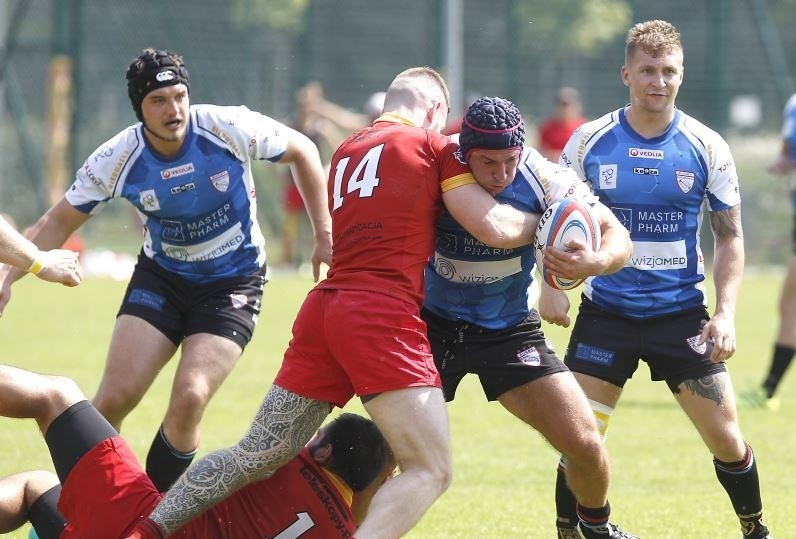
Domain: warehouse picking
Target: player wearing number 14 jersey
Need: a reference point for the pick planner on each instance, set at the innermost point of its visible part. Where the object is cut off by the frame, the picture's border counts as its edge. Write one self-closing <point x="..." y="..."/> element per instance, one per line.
<point x="359" y="331"/>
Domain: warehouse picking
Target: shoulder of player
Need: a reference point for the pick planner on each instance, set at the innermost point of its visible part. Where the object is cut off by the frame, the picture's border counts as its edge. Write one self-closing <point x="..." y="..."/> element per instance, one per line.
<point x="113" y="153"/>
<point x="227" y="117"/>
<point x="232" y="126"/>
<point x="709" y="139"/>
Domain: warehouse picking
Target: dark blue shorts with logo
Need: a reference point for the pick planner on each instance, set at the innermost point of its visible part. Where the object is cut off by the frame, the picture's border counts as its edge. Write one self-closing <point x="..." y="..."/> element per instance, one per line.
<point x="501" y="358"/>
<point x="179" y="308"/>
<point x="609" y="346"/>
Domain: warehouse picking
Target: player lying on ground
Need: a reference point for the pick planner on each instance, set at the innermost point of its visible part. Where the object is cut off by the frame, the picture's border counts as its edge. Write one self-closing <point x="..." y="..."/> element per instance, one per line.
<point x="321" y="493"/>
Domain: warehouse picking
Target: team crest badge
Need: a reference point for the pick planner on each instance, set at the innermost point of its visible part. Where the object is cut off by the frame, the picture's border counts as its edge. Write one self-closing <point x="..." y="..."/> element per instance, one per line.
<point x="530" y="356"/>
<point x="238" y="300"/>
<point x="693" y="342"/>
<point x="685" y="180"/>
<point x="220" y="180"/>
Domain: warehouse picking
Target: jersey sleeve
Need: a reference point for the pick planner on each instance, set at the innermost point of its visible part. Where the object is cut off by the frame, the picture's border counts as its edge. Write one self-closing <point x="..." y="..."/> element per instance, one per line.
<point x="557" y="181"/>
<point x="570" y="157"/>
<point x="95" y="181"/>
<point x="249" y="134"/>
<point x="723" y="191"/>
<point x="454" y="171"/>
<point x="267" y="137"/>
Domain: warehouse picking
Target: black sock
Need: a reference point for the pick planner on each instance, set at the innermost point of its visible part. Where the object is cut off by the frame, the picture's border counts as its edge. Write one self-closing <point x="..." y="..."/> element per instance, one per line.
<point x="594" y="517"/>
<point x="783" y="355"/>
<point x="566" y="504"/>
<point x="164" y="464"/>
<point x="741" y="482"/>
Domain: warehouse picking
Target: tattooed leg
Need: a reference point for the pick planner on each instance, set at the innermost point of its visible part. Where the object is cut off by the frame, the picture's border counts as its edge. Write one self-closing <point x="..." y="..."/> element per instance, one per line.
<point x="710" y="404"/>
<point x="283" y="424"/>
<point x="709" y="387"/>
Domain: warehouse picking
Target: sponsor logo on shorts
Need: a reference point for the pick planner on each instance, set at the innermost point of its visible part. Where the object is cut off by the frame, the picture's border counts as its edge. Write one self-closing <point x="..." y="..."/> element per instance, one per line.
<point x="529" y="356"/>
<point x="239" y="301"/>
<point x="645" y="171"/>
<point x="593" y="354"/>
<point x="693" y="342"/>
<point x="147" y="298"/>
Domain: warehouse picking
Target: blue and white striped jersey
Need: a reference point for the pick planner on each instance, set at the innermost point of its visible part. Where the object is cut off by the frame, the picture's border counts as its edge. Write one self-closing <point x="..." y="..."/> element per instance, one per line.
<point x="199" y="207"/>
<point x="495" y="288"/>
<point x="658" y="188"/>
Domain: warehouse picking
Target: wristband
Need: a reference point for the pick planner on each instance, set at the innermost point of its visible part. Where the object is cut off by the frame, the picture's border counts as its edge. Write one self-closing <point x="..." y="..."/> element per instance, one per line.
<point x="36" y="267"/>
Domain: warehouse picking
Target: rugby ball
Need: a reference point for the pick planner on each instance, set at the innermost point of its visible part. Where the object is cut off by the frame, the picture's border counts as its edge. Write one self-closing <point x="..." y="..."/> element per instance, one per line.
<point x="565" y="220"/>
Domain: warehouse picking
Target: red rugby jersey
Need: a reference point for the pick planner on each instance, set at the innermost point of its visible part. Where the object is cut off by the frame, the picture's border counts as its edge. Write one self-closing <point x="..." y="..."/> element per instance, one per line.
<point x="385" y="195"/>
<point x="299" y="500"/>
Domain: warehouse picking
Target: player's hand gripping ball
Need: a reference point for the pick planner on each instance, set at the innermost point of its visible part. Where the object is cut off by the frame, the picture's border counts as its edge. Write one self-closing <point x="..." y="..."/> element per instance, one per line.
<point x="565" y="220"/>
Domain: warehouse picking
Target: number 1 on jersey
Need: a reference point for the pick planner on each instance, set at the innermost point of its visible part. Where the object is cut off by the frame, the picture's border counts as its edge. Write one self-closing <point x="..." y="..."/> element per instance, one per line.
<point x="363" y="179"/>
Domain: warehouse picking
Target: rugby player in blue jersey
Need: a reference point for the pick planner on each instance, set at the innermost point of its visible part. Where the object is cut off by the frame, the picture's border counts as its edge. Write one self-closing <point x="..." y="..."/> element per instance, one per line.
<point x="479" y="304"/>
<point x="657" y="169"/>
<point x="199" y="278"/>
<point x="785" y="341"/>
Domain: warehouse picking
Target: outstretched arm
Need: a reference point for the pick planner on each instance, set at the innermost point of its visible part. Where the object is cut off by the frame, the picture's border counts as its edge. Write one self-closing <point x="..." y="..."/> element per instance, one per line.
<point x="283" y="424"/>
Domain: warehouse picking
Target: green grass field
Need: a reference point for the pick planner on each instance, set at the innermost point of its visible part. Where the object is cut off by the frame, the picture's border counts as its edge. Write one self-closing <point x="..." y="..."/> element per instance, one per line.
<point x="663" y="487"/>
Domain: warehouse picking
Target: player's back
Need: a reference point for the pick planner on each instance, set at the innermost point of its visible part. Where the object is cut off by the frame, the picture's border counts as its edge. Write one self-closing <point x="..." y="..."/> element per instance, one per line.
<point x="385" y="198"/>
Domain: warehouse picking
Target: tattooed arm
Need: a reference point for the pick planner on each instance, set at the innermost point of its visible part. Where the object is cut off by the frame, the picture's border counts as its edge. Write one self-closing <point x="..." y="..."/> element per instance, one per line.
<point x="283" y="424"/>
<point x="728" y="265"/>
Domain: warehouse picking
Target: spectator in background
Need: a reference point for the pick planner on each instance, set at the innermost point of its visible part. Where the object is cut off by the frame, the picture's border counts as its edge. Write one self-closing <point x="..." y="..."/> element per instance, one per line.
<point x="327" y="125"/>
<point x="555" y="131"/>
<point x="199" y="280"/>
<point x="785" y="345"/>
<point x="326" y="137"/>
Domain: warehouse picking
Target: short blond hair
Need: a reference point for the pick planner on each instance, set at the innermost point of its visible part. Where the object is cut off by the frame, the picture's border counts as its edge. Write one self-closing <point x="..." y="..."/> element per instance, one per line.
<point x="653" y="37"/>
<point x="424" y="82"/>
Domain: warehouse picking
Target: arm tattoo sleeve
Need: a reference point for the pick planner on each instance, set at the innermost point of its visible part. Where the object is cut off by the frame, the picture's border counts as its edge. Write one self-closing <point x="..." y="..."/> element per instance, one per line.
<point x="727" y="223"/>
<point x="283" y="424"/>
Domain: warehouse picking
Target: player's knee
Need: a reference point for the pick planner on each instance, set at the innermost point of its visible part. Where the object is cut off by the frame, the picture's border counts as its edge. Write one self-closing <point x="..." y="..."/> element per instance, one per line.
<point x="435" y="474"/>
<point x="37" y="483"/>
<point x="588" y="451"/>
<point x="188" y="401"/>
<point x="728" y="447"/>
<point x="61" y="393"/>
<point x="114" y="405"/>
